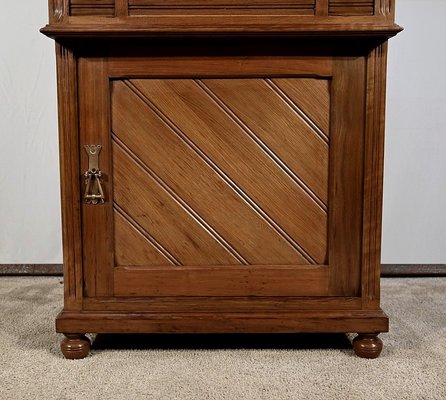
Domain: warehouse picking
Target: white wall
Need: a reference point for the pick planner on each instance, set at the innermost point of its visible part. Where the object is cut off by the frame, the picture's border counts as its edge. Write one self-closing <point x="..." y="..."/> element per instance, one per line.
<point x="414" y="221"/>
<point x="415" y="167"/>
<point x="29" y="175"/>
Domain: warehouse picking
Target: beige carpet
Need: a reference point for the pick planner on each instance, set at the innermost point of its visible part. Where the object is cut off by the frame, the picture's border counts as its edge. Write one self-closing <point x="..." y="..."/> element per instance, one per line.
<point x="412" y="365"/>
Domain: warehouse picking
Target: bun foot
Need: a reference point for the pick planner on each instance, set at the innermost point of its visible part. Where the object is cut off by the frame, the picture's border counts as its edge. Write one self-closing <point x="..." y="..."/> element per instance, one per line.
<point x="367" y="345"/>
<point x="75" y="346"/>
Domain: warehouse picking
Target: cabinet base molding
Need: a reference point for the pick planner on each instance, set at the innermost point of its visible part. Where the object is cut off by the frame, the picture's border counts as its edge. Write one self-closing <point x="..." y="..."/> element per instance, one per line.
<point x="367" y="323"/>
<point x="303" y="321"/>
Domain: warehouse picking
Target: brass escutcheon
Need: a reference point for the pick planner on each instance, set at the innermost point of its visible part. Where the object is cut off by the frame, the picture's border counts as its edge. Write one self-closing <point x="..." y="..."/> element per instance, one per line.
<point x="93" y="176"/>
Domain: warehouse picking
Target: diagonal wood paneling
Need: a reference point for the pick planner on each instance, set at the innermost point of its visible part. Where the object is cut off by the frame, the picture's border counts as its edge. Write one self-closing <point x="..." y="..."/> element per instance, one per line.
<point x="279" y="127"/>
<point x="163" y="218"/>
<point x="235" y="154"/>
<point x="312" y="96"/>
<point x="173" y="161"/>
<point x="132" y="248"/>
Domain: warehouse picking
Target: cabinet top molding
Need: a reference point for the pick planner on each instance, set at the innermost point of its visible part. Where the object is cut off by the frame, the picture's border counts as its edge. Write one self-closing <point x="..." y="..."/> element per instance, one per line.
<point x="146" y="18"/>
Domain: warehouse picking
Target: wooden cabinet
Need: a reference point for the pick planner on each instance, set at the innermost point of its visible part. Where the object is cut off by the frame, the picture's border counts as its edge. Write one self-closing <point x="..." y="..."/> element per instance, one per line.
<point x="221" y="166"/>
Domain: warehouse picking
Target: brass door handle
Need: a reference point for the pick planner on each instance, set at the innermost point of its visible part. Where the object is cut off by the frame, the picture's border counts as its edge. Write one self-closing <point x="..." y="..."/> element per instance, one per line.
<point x="93" y="176"/>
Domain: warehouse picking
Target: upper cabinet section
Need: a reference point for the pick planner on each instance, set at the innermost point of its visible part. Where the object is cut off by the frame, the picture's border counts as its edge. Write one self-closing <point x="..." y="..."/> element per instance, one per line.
<point x="230" y="7"/>
<point x="100" y="18"/>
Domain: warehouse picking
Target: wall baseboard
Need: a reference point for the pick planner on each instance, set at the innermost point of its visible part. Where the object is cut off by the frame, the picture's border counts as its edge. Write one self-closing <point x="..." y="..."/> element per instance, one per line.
<point x="387" y="270"/>
<point x="401" y="270"/>
<point x="31" y="269"/>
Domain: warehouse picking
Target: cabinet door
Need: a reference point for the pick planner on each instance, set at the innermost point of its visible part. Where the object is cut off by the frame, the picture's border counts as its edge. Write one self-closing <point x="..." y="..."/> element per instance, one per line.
<point x="232" y="175"/>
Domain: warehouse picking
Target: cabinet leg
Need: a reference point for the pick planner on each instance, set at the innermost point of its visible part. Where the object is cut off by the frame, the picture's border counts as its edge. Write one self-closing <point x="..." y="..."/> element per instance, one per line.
<point x="75" y="345"/>
<point x="367" y="345"/>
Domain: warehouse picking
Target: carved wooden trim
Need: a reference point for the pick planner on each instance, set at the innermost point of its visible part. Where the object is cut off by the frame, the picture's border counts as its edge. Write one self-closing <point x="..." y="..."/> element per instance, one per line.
<point x="57" y="10"/>
<point x="385" y="8"/>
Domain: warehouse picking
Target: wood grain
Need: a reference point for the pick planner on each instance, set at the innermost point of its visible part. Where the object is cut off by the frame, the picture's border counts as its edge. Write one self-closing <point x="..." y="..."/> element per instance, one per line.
<point x="230" y="280"/>
<point x="92" y="7"/>
<point x="303" y="321"/>
<point x="219" y="139"/>
<point x="346" y="180"/>
<point x="216" y="7"/>
<point x="132" y="247"/>
<point x="94" y="128"/>
<point x="221" y="304"/>
<point x="351" y="7"/>
<point x="69" y="173"/>
<point x="189" y="179"/>
<point x="373" y="170"/>
<point x="223" y="27"/>
<point x="312" y="96"/>
<point x="276" y="125"/>
<point x="162" y="217"/>
<point x="321" y="9"/>
<point x="227" y="66"/>
<point x="121" y="8"/>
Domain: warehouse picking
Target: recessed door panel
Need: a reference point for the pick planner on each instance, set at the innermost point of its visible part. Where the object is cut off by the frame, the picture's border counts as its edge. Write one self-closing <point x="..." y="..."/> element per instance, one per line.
<point x="222" y="185"/>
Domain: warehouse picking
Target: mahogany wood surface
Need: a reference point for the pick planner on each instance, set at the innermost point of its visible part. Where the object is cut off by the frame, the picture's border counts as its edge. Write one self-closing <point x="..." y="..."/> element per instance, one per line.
<point x="241" y="164"/>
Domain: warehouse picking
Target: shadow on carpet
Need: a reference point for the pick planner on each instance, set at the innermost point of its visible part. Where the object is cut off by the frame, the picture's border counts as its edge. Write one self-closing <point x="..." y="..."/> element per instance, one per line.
<point x="221" y="341"/>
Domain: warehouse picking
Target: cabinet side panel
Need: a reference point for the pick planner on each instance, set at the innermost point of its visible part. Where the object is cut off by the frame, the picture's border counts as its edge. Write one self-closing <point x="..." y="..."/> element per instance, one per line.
<point x="373" y="182"/>
<point x="69" y="167"/>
